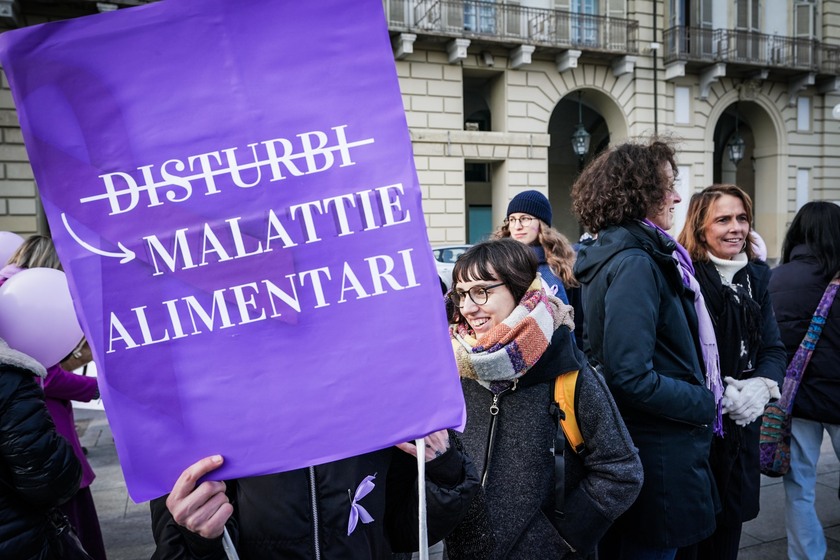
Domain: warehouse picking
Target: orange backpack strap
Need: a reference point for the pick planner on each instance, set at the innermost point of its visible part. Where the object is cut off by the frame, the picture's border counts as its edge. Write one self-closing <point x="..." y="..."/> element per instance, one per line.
<point x="564" y="395"/>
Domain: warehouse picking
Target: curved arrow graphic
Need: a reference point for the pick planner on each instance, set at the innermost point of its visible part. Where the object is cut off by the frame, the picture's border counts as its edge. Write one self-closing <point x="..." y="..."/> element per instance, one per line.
<point x="126" y="253"/>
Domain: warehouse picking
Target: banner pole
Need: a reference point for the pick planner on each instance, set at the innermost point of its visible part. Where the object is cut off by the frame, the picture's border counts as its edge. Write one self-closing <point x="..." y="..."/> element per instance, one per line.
<point x="421" y="491"/>
<point x="227" y="543"/>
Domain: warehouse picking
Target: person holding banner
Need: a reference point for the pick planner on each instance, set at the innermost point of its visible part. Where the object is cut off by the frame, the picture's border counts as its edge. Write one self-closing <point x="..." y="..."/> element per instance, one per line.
<point x="61" y="387"/>
<point x="38" y="470"/>
<point x="362" y="507"/>
<point x="512" y="339"/>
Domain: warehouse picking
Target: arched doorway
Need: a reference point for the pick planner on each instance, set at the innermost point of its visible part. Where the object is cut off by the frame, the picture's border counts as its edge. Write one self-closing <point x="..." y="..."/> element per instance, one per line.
<point x="602" y="119"/>
<point x="733" y="129"/>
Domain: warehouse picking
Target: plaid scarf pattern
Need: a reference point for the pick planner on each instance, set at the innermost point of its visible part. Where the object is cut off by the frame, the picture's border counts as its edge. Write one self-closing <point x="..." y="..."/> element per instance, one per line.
<point x="513" y="346"/>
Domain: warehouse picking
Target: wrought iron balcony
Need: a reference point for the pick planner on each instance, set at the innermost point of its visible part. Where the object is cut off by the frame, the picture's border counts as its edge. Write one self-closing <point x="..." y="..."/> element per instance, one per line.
<point x="509" y="23"/>
<point x="747" y="48"/>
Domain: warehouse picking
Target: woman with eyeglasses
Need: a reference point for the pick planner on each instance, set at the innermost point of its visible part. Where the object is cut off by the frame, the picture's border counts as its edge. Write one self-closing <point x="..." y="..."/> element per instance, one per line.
<point x="511" y="339"/>
<point x="529" y="221"/>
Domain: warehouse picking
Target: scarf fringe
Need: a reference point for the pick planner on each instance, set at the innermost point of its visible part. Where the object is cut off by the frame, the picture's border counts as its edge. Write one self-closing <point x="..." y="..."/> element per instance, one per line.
<point x="715" y="385"/>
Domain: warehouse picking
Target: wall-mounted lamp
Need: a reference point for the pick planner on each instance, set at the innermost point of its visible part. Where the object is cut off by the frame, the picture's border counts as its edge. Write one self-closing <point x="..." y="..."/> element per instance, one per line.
<point x="736" y="145"/>
<point x="580" y="138"/>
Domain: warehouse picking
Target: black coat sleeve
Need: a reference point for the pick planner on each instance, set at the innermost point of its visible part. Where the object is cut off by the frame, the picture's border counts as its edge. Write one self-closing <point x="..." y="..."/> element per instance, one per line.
<point x="39" y="463"/>
<point x="451" y="484"/>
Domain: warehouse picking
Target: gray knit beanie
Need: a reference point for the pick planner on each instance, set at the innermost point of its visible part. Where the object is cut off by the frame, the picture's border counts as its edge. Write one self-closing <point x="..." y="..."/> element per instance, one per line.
<point x="531" y="202"/>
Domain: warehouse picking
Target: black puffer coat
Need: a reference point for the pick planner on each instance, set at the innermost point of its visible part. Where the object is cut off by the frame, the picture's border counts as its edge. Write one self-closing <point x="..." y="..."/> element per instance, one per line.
<point x="38" y="468"/>
<point x="303" y="514"/>
<point x="795" y="290"/>
<point x="641" y="327"/>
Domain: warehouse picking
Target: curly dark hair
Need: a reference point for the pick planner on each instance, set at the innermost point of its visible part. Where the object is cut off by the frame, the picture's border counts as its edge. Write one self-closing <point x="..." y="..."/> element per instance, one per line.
<point x="624" y="183"/>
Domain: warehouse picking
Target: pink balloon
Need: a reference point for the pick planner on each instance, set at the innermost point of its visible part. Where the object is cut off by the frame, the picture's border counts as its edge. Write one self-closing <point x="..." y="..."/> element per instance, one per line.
<point x="9" y="242"/>
<point x="37" y="315"/>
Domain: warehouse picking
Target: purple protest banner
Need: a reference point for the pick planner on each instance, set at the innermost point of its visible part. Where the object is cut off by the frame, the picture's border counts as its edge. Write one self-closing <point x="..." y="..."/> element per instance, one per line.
<point x="231" y="190"/>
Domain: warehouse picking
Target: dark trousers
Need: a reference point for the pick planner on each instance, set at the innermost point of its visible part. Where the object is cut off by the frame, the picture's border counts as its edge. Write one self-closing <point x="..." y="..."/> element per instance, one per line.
<point x="722" y="545"/>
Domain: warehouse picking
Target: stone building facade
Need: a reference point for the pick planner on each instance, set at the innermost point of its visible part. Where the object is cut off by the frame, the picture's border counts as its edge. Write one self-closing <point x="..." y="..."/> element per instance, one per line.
<point x="495" y="91"/>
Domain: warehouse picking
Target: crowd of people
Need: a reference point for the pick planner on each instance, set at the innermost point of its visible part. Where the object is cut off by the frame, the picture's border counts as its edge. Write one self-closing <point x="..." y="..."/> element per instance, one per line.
<point x="613" y="392"/>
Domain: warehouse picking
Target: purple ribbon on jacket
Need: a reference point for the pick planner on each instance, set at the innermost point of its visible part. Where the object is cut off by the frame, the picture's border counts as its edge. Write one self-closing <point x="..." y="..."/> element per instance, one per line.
<point x="357" y="512"/>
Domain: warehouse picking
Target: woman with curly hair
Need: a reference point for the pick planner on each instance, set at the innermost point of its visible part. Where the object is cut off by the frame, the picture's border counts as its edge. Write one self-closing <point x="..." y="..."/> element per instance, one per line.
<point x="641" y="329"/>
<point x="529" y="221"/>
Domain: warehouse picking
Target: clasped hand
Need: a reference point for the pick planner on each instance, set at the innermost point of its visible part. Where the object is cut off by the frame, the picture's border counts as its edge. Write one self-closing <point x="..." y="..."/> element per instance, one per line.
<point x="744" y="399"/>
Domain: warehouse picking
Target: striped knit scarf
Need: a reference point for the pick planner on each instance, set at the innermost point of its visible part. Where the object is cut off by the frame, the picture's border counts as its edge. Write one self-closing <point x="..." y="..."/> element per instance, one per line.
<point x="510" y="348"/>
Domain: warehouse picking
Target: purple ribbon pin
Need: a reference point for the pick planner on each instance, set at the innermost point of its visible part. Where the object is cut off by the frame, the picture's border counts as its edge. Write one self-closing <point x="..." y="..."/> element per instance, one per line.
<point x="357" y="512"/>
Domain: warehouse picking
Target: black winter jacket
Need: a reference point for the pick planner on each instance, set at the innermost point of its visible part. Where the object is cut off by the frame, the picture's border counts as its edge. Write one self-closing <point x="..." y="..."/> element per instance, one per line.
<point x="795" y="290"/>
<point x="304" y="514"/>
<point x="735" y="457"/>
<point x="600" y="483"/>
<point x="641" y="327"/>
<point x="38" y="468"/>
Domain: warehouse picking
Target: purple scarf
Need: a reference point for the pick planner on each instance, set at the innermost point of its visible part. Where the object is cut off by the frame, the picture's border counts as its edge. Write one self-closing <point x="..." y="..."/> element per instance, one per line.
<point x="705" y="327"/>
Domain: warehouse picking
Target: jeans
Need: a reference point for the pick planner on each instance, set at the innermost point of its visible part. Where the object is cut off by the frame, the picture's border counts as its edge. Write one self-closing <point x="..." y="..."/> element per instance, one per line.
<point x="805" y="538"/>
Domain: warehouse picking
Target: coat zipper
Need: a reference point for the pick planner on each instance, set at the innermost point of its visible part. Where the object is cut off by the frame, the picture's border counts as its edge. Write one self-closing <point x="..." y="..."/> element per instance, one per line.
<point x="491" y="436"/>
<point x="314" y="495"/>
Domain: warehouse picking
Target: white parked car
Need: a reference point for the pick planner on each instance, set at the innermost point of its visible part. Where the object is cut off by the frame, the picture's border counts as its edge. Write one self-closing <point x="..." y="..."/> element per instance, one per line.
<point x="445" y="257"/>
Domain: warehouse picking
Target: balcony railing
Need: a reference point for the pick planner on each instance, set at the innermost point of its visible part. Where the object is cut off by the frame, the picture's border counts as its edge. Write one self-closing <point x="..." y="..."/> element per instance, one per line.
<point x="513" y="23"/>
<point x="750" y="48"/>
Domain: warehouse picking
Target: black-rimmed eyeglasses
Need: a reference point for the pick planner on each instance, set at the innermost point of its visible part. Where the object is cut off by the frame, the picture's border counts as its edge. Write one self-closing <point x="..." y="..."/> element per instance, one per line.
<point x="524" y="221"/>
<point x="478" y="294"/>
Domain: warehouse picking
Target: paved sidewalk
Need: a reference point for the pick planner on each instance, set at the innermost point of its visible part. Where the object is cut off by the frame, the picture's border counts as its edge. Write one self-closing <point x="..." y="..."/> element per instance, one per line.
<point x="126" y="526"/>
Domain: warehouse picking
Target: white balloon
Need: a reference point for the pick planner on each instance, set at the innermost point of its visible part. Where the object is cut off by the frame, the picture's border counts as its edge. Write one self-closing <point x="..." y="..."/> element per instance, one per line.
<point x="37" y="315"/>
<point x="9" y="243"/>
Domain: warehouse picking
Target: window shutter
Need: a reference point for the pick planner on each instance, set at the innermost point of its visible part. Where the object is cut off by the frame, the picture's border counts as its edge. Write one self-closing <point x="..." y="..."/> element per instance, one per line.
<point x="706" y="14"/>
<point x="514" y="18"/>
<point x="804" y="13"/>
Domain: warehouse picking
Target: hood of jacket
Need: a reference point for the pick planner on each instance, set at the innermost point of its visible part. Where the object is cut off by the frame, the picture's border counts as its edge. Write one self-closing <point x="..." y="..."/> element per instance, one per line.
<point x="615" y="239"/>
<point x="13" y="358"/>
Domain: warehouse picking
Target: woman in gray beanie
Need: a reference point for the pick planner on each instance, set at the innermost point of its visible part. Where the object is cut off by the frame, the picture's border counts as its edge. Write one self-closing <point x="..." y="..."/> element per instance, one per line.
<point x="529" y="221"/>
